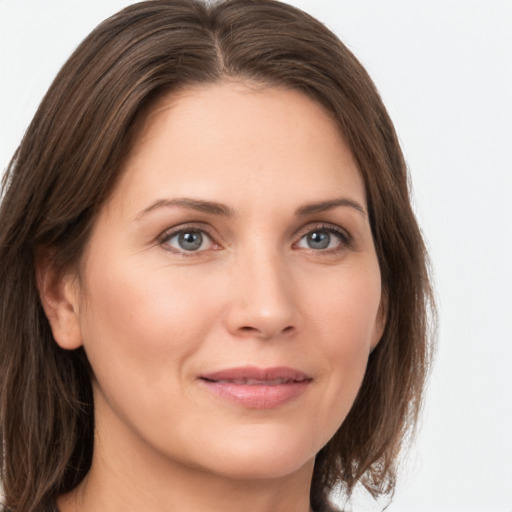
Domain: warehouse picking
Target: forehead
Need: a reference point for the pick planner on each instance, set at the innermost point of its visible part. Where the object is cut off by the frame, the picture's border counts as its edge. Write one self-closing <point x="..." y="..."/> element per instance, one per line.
<point x="235" y="139"/>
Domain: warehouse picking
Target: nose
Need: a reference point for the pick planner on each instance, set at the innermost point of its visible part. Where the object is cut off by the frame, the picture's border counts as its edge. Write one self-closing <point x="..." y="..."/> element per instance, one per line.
<point x="263" y="303"/>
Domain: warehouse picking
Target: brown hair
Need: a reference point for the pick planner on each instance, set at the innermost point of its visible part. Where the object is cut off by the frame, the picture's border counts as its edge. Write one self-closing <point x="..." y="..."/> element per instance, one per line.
<point x="68" y="163"/>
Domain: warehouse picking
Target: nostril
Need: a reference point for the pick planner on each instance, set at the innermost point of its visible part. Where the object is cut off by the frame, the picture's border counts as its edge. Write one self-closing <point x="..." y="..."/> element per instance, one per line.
<point x="249" y="329"/>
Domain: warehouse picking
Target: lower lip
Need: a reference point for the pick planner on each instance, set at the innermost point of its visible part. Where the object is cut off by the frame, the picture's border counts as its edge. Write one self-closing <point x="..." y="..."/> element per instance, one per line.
<point x="258" y="396"/>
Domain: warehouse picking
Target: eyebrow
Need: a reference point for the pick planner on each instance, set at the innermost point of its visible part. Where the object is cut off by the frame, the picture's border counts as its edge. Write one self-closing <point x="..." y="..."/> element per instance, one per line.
<point x="323" y="206"/>
<point x="222" y="210"/>
<point x="199" y="205"/>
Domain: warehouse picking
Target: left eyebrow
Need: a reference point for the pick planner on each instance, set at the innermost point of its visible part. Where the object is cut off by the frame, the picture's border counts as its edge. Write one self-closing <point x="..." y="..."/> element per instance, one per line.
<point x="323" y="206"/>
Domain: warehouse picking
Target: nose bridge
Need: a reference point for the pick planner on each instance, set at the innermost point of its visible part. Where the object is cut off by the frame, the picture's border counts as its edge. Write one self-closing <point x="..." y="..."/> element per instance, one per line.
<point x="263" y="302"/>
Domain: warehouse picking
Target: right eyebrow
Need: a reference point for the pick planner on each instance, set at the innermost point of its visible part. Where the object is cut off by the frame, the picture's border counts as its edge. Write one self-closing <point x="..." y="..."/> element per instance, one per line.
<point x="199" y="205"/>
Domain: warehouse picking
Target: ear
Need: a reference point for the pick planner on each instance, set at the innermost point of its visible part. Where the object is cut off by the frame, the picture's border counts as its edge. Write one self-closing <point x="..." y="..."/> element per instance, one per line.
<point x="380" y="322"/>
<point x="59" y="293"/>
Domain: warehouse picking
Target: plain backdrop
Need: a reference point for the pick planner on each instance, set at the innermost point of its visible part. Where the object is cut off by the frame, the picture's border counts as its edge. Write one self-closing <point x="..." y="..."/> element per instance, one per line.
<point x="444" y="69"/>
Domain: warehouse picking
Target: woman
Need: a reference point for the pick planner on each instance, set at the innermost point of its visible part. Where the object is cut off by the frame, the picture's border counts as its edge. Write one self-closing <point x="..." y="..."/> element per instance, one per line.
<point x="215" y="293"/>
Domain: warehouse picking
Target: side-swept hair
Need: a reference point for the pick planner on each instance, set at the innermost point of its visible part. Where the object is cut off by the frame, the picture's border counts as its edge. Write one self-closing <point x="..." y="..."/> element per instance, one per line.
<point x="67" y="165"/>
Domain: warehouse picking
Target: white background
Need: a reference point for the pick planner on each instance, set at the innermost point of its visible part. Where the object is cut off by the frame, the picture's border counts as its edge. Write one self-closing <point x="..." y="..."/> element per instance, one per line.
<point x="444" y="69"/>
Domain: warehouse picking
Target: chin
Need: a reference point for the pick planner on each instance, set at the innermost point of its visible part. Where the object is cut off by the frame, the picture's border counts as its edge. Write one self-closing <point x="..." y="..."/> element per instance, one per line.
<point x="260" y="460"/>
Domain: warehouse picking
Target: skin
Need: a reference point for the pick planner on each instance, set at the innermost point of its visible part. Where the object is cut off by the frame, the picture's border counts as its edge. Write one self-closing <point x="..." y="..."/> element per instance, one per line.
<point x="153" y="316"/>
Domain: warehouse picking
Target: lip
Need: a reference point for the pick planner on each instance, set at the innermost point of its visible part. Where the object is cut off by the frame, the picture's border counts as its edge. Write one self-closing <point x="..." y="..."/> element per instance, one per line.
<point x="257" y="388"/>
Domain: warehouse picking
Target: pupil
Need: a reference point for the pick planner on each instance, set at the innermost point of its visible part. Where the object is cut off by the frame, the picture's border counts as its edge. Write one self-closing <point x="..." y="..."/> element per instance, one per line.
<point x="190" y="240"/>
<point x="319" y="240"/>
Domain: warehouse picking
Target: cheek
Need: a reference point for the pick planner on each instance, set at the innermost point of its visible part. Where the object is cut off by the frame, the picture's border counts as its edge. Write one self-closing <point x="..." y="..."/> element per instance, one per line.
<point x="346" y="309"/>
<point x="344" y="319"/>
<point x="138" y="321"/>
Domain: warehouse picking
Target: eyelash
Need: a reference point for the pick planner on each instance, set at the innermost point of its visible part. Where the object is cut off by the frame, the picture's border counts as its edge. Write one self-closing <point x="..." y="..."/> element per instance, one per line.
<point x="344" y="237"/>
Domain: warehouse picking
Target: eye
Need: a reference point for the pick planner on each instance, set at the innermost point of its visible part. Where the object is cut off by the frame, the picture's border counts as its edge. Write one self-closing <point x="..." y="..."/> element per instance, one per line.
<point x="187" y="241"/>
<point x="324" y="238"/>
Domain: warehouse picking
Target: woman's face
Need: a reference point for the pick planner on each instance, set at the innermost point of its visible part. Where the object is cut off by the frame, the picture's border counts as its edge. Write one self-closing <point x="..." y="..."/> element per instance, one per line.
<point x="230" y="292"/>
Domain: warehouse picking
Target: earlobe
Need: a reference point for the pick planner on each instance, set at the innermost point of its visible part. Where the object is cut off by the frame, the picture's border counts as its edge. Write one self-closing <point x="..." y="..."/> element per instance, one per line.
<point x="58" y="292"/>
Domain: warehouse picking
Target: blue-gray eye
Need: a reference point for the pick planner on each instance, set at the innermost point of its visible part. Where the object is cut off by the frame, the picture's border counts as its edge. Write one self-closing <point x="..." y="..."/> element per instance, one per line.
<point x="318" y="240"/>
<point x="188" y="240"/>
<point x="322" y="239"/>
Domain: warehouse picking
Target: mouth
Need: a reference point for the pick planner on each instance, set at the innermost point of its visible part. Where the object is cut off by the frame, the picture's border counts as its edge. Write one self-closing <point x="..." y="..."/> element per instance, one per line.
<point x="255" y="382"/>
<point x="257" y="388"/>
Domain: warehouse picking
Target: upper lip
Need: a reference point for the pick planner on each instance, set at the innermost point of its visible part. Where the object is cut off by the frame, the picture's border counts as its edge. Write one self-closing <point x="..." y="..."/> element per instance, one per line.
<point x="255" y="375"/>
